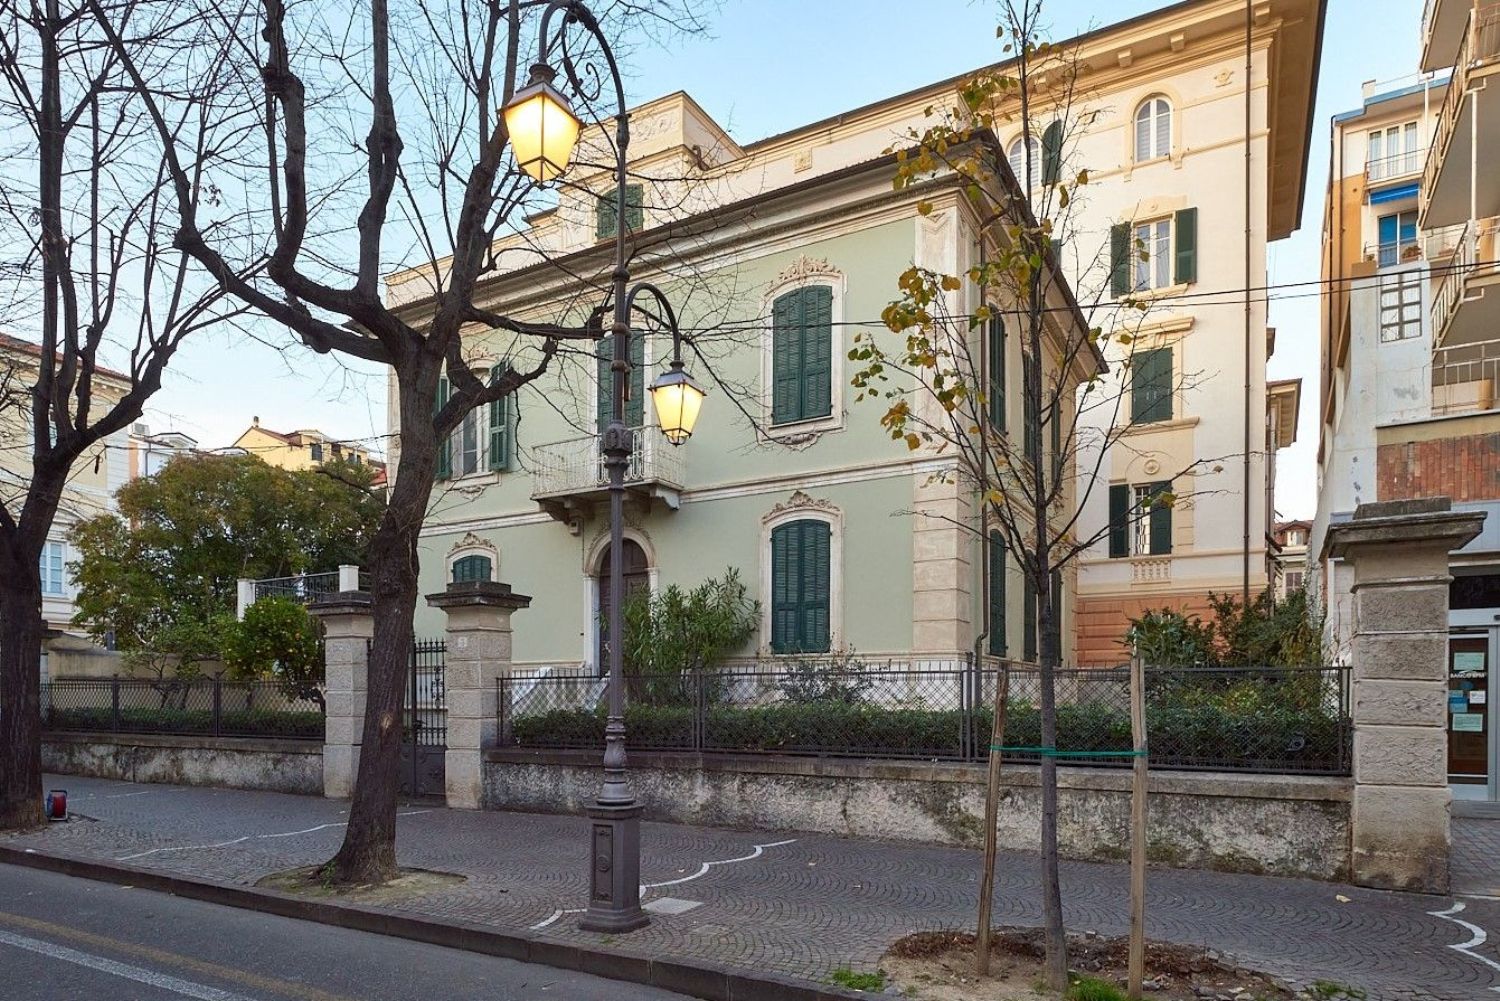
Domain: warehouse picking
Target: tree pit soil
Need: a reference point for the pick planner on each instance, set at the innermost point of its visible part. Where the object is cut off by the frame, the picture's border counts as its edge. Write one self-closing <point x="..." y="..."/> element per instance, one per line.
<point x="309" y="881"/>
<point x="939" y="966"/>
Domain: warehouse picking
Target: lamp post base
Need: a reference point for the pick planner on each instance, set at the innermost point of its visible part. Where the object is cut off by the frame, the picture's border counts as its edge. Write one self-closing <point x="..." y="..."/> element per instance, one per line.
<point x="615" y="870"/>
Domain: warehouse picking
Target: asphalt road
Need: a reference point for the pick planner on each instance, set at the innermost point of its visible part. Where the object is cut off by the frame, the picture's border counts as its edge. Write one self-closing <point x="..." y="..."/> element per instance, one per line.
<point x="63" y="938"/>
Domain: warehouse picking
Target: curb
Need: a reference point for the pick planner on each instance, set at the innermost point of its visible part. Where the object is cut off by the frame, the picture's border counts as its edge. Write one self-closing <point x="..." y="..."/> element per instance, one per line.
<point x="709" y="981"/>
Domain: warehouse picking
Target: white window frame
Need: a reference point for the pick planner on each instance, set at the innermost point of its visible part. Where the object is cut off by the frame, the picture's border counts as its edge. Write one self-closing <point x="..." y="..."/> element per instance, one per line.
<point x="1013" y="154"/>
<point x="1140" y="527"/>
<point x="1151" y="112"/>
<point x="1399" y="305"/>
<point x="1154" y="272"/>
<point x="803" y="508"/>
<point x="477" y="420"/>
<point x="59" y="567"/>
<point x="802" y="274"/>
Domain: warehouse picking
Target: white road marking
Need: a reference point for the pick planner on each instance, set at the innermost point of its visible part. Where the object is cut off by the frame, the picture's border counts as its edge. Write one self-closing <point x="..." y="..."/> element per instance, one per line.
<point x="703" y="870"/>
<point x="185" y="988"/>
<point x="555" y="915"/>
<point x="1477" y="937"/>
<point x="249" y="837"/>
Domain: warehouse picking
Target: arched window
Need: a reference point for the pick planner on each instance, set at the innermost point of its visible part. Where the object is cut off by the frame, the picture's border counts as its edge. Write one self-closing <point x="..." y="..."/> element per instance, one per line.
<point x="1153" y="128"/>
<point x="472" y="568"/>
<point x="1024" y="149"/>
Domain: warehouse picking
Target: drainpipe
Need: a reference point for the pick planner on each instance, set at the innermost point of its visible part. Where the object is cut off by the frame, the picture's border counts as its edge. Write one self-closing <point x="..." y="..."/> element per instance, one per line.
<point x="1245" y="521"/>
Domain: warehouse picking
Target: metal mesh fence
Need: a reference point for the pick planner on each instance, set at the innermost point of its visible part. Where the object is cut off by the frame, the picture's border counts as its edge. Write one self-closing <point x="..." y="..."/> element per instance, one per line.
<point x="1288" y="720"/>
<point x="207" y="706"/>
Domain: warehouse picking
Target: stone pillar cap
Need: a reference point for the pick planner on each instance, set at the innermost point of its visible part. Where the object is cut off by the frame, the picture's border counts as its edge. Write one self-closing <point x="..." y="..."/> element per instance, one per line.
<point x="478" y="593"/>
<point x="341" y="603"/>
<point x="1423" y="521"/>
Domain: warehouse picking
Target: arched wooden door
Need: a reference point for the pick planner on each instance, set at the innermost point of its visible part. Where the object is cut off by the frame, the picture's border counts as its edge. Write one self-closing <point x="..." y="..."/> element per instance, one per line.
<point x="637" y="578"/>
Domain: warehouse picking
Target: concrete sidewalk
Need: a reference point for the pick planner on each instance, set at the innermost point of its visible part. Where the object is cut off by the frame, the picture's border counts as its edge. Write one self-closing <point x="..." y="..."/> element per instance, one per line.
<point x="798" y="905"/>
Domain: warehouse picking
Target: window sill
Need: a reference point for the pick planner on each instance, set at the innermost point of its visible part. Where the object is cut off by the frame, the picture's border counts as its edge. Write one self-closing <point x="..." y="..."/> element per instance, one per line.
<point x="485" y="478"/>
<point x="1175" y="424"/>
<point x="812" y="427"/>
<point x="1152" y="294"/>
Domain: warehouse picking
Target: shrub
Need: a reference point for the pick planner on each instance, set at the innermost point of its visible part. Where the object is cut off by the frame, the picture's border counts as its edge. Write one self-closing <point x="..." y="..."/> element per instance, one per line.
<point x="673" y="632"/>
<point x="841" y="677"/>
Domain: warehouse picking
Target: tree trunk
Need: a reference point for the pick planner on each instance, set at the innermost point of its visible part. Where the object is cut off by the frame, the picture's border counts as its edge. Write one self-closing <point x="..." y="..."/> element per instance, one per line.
<point x="368" y="854"/>
<point x="21" y="631"/>
<point x="1052" y="920"/>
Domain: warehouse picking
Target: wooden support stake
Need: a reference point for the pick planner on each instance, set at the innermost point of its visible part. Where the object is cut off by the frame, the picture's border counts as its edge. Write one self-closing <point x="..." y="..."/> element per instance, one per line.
<point x="1137" y="965"/>
<point x="991" y="817"/>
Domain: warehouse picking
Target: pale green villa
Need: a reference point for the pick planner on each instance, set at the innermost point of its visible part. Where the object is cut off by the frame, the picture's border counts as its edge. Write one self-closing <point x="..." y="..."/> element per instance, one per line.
<point x="786" y="478"/>
<point x="1180" y="143"/>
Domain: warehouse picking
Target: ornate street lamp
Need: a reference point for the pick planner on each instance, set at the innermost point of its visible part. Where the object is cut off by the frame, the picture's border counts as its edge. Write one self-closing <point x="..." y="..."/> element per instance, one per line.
<point x="543" y="132"/>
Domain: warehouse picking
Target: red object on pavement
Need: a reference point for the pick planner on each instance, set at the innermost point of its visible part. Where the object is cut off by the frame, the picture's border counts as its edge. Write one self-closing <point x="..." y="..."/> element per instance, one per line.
<point x="57" y="804"/>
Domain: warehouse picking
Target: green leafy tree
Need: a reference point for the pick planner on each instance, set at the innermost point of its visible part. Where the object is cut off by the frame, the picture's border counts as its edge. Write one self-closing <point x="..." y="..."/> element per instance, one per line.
<point x="160" y="576"/>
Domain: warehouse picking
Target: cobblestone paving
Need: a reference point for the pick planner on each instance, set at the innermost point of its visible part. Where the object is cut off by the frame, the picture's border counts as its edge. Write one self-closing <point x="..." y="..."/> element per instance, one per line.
<point x="815" y="903"/>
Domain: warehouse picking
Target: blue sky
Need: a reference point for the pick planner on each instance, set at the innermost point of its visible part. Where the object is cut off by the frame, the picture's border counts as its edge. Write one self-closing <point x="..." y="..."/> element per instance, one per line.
<point x="758" y="73"/>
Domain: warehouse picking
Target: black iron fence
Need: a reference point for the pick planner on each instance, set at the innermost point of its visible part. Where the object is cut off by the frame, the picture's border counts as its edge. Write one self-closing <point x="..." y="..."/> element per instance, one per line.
<point x="206" y="706"/>
<point x="1284" y="720"/>
<point x="303" y="588"/>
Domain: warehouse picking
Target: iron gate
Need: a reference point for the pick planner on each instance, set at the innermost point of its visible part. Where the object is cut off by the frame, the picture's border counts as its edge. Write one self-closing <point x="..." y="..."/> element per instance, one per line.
<point x="424" y="744"/>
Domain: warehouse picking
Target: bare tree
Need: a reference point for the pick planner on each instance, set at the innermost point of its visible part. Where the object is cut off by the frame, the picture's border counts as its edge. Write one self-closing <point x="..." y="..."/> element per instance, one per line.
<point x="324" y="211"/>
<point x="1031" y="488"/>
<point x="88" y="265"/>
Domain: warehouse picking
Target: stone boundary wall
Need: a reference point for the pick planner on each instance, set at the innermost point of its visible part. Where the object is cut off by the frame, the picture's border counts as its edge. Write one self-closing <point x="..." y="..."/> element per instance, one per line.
<point x="1274" y="824"/>
<point x="294" y="766"/>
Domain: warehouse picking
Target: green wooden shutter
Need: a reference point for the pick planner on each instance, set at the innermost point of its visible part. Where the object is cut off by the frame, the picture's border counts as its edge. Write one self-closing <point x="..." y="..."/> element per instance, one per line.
<point x="499" y="424"/>
<point x="1052" y="143"/>
<point x="445" y="445"/>
<point x="604" y="388"/>
<point x="1186" y="236"/>
<point x="1057" y="441"/>
<point x="817" y="577"/>
<point x="1151" y="386"/>
<point x="786" y="358"/>
<point x="1161" y="520"/>
<point x="606" y="216"/>
<point x="817" y="351"/>
<point x="1057" y="609"/>
<point x="783" y="596"/>
<point x="635" y="407"/>
<point x="997" y="644"/>
<point x="1029" y="429"/>
<point x="1119" y="519"/>
<point x="1028" y="620"/>
<point x="801" y="576"/>
<point x="1119" y="259"/>
<point x="997" y="372"/>
<point x="471" y="568"/>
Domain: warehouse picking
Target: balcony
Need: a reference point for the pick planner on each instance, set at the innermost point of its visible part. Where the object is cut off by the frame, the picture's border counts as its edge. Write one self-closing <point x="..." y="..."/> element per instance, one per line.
<point x="1443" y="23"/>
<point x="1397" y="252"/>
<point x="1390" y="169"/>
<point x="1463" y="143"/>
<point x="569" y="477"/>
<point x="1464" y="313"/>
<point x="1464" y="379"/>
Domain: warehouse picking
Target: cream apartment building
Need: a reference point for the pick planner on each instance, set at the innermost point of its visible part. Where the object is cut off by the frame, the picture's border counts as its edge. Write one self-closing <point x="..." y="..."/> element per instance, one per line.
<point x="96" y="476"/>
<point x="1194" y="126"/>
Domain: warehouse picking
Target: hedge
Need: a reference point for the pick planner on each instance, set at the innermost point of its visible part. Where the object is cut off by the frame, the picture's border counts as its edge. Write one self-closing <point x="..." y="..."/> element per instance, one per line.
<point x="302" y="725"/>
<point x="1268" y="738"/>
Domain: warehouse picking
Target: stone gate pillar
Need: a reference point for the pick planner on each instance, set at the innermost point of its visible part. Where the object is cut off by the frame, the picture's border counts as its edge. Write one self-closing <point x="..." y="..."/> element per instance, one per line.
<point x="1399" y="820"/>
<point x="348" y="626"/>
<point x="478" y="654"/>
